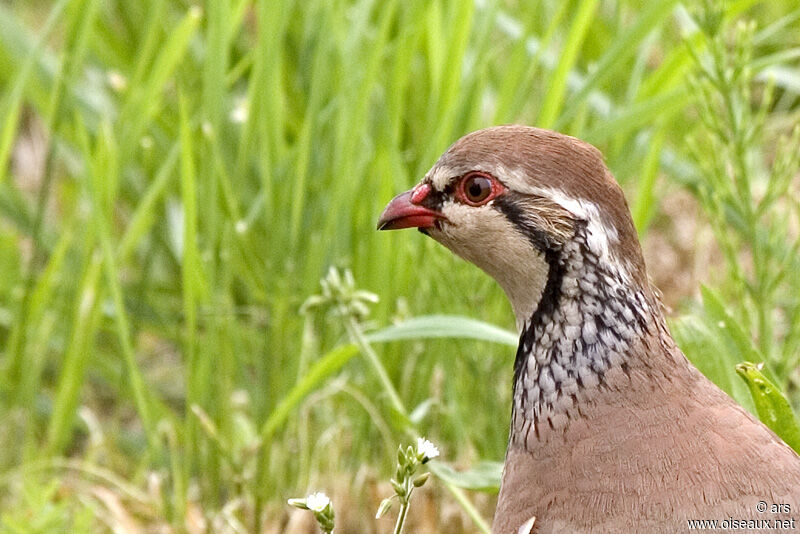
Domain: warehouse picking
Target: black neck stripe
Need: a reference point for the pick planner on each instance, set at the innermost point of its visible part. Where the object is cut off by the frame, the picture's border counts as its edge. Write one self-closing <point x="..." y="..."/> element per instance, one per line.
<point x="513" y="210"/>
<point x="544" y="310"/>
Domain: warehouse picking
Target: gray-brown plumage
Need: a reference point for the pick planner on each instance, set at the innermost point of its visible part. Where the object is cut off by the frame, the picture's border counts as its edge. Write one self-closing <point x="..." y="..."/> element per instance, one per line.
<point x="612" y="429"/>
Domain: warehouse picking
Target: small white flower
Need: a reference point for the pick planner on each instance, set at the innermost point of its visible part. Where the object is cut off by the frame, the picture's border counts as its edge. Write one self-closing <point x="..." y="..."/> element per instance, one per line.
<point x="117" y="81"/>
<point x="317" y="502"/>
<point x="426" y="448"/>
<point x="241" y="226"/>
<point x="240" y="112"/>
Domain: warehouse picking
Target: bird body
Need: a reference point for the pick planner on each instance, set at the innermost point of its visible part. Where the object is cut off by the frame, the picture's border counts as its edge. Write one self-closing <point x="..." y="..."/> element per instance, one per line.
<point x="651" y="448"/>
<point x="612" y="429"/>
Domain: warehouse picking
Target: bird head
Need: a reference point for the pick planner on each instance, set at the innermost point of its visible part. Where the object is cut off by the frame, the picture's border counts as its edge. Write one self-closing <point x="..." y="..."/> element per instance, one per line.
<point x="512" y="199"/>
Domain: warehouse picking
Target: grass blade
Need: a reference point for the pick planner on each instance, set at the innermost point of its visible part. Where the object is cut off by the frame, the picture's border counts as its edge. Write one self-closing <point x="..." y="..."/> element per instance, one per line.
<point x="76" y="358"/>
<point x="615" y="57"/>
<point x="439" y="326"/>
<point x="554" y="97"/>
<point x="102" y="200"/>
<point x="483" y="476"/>
<point x="12" y="103"/>
<point x="316" y="375"/>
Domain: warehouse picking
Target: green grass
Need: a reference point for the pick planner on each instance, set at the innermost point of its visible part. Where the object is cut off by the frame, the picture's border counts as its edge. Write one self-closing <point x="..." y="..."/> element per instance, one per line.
<point x="205" y="164"/>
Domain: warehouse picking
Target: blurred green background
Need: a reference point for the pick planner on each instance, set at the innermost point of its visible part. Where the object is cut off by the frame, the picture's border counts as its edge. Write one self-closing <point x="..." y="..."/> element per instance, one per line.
<point x="176" y="177"/>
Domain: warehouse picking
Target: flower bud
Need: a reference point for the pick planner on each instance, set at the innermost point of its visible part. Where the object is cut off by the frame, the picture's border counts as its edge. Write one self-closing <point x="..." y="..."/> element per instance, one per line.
<point x="420" y="480"/>
<point x="384" y="507"/>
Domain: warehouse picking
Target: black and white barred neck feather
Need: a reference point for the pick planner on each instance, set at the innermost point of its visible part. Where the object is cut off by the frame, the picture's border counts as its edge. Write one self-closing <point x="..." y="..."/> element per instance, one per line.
<point x="584" y="324"/>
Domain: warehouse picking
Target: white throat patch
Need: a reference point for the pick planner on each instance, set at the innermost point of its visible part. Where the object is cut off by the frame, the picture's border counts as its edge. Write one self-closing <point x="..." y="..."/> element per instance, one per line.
<point x="500" y="250"/>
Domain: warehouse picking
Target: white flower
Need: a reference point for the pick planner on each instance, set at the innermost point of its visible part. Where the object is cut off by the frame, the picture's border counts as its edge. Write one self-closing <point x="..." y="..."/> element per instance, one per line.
<point x="240" y="112"/>
<point x="317" y="502"/>
<point x="117" y="81"/>
<point x="426" y="448"/>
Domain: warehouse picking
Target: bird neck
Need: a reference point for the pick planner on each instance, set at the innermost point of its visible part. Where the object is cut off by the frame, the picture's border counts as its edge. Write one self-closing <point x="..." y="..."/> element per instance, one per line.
<point x="590" y="312"/>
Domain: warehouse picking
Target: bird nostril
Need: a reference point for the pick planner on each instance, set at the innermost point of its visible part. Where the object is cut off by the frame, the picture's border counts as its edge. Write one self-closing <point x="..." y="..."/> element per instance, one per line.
<point x="420" y="193"/>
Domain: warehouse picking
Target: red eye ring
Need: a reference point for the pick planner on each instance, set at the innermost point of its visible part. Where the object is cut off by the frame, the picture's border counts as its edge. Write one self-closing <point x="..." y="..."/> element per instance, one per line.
<point x="478" y="188"/>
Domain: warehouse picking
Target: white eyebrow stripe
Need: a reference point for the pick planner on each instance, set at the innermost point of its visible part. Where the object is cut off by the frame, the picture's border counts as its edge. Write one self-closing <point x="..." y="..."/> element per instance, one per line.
<point x="441" y="175"/>
<point x="580" y="208"/>
<point x="600" y="236"/>
<point x="439" y="178"/>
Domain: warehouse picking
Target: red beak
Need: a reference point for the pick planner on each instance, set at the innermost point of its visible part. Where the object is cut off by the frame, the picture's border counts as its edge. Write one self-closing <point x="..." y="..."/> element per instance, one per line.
<point x="402" y="212"/>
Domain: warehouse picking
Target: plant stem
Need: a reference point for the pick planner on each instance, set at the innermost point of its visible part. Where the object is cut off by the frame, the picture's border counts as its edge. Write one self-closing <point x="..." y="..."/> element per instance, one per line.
<point x="357" y="335"/>
<point x="472" y="512"/>
<point x="354" y="330"/>
<point x="401" y="517"/>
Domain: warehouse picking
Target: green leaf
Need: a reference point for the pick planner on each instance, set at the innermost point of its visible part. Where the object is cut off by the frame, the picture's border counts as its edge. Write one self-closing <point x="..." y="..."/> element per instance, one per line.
<point x="732" y="330"/>
<point x="773" y="408"/>
<point x="716" y="342"/>
<point x="554" y="96"/>
<point x="421" y="411"/>
<point x="143" y="219"/>
<point x="644" y="206"/>
<point x="13" y="100"/>
<point x="313" y="378"/>
<point x="705" y="349"/>
<point x="483" y="476"/>
<point x="639" y="114"/>
<point x="616" y="55"/>
<point x="106" y="164"/>
<point x="437" y="326"/>
<point x="76" y="356"/>
<point x="146" y="97"/>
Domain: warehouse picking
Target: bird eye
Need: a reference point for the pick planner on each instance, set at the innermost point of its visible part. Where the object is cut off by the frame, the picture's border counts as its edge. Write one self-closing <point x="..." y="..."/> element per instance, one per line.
<point x="477" y="188"/>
